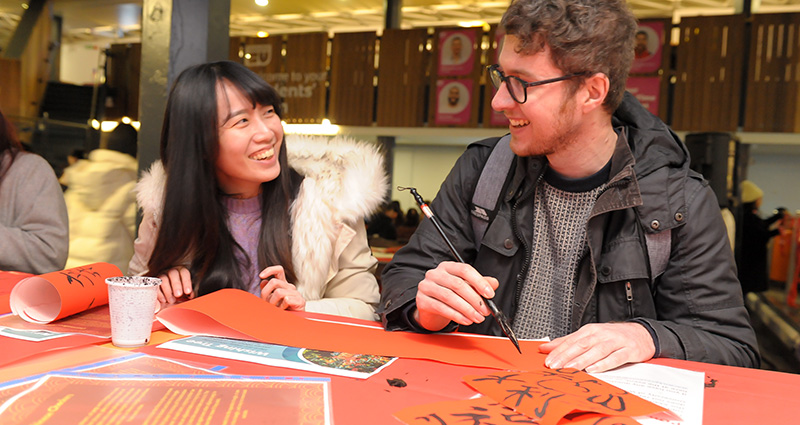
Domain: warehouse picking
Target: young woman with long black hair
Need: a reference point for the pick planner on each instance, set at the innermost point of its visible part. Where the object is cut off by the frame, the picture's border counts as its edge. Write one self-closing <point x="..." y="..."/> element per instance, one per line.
<point x="232" y="204"/>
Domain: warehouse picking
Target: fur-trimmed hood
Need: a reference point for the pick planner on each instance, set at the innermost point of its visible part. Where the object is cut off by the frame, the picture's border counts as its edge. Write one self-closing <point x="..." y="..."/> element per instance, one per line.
<point x="349" y="174"/>
<point x="344" y="182"/>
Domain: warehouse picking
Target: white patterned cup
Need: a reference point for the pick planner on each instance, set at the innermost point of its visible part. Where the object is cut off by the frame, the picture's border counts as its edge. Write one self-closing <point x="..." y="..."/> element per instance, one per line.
<point x="132" y="302"/>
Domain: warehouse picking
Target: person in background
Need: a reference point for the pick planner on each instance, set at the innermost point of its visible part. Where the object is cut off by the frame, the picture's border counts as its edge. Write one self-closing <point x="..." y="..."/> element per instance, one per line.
<point x="233" y="204"/>
<point x="34" y="228"/>
<point x="596" y="183"/>
<point x="101" y="202"/>
<point x="409" y="226"/>
<point x="412" y="217"/>
<point x="72" y="159"/>
<point x="384" y="224"/>
<point x="756" y="233"/>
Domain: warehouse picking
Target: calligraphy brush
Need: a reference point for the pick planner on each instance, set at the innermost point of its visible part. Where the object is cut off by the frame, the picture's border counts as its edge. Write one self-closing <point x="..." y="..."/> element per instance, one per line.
<point x="498" y="315"/>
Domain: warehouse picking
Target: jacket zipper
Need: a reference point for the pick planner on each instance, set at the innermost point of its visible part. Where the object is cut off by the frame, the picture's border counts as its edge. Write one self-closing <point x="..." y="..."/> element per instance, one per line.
<point x="629" y="296"/>
<point x="526" y="265"/>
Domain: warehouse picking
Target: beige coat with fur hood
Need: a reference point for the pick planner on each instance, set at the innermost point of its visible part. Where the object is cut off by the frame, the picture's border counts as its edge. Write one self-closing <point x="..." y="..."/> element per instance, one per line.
<point x="344" y="182"/>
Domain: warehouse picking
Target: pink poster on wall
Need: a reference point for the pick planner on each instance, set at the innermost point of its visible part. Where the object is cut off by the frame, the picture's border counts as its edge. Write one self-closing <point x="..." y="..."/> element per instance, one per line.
<point x="456" y="52"/>
<point x="646" y="90"/>
<point x="497" y="118"/>
<point x="647" y="47"/>
<point x="453" y="100"/>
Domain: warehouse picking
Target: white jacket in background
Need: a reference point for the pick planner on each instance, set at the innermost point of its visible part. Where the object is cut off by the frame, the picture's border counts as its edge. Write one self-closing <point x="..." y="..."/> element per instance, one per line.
<point x="102" y="209"/>
<point x="344" y="182"/>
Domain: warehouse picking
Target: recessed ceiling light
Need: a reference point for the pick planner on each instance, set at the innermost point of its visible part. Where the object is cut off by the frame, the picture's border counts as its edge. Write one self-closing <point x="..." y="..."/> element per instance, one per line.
<point x="262" y="2"/>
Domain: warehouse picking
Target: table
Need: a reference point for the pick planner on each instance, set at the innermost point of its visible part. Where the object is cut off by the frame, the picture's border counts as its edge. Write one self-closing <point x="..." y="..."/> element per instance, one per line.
<point x="732" y="395"/>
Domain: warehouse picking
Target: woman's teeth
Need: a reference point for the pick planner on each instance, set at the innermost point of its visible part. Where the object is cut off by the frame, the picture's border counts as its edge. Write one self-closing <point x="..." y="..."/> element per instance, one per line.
<point x="262" y="155"/>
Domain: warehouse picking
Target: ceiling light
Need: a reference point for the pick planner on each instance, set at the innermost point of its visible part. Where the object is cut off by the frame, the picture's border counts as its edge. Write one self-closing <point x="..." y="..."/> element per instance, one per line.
<point x="470" y="24"/>
<point x="262" y="34"/>
<point x="262" y="3"/>
<point x="108" y="126"/>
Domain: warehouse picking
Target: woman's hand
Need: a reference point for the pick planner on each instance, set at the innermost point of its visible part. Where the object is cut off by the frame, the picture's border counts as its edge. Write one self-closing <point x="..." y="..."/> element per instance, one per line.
<point x="278" y="292"/>
<point x="176" y="285"/>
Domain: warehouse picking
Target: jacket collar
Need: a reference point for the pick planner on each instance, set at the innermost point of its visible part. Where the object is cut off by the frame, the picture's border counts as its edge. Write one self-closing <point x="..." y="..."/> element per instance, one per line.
<point x="647" y="168"/>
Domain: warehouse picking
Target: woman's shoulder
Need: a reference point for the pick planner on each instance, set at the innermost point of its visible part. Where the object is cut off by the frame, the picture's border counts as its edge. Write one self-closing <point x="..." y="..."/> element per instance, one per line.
<point x="28" y="165"/>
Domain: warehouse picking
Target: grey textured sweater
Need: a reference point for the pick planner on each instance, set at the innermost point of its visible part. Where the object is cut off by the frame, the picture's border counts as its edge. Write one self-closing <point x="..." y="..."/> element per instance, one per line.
<point x="34" y="229"/>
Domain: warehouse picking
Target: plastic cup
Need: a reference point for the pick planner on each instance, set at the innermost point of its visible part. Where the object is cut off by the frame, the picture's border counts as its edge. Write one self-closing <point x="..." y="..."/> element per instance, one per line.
<point x="132" y="302"/>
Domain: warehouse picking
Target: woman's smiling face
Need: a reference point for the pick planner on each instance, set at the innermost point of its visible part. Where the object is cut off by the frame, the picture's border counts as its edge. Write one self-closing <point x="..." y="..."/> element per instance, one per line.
<point x="250" y="138"/>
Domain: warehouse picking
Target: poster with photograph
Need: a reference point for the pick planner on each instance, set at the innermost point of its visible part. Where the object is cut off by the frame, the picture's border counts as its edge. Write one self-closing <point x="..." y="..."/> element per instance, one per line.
<point x="647" y="47"/>
<point x="453" y="102"/>
<point x="456" y="52"/>
<point x="646" y="90"/>
<point x="359" y="366"/>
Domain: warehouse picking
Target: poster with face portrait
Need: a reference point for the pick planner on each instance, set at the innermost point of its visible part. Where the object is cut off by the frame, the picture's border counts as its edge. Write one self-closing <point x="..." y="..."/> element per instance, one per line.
<point x="647" y="47"/>
<point x="646" y="90"/>
<point x="453" y="102"/>
<point x="456" y="53"/>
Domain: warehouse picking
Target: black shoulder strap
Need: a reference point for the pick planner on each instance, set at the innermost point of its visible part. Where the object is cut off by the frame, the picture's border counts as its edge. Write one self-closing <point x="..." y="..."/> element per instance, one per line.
<point x="659" y="246"/>
<point x="490" y="187"/>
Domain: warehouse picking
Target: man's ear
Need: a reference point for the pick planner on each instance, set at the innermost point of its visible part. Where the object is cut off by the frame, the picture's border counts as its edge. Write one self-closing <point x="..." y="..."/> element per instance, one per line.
<point x="595" y="89"/>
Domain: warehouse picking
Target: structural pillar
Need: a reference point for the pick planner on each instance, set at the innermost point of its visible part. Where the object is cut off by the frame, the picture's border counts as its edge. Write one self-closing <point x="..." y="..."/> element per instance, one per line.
<point x="393" y="9"/>
<point x="16" y="46"/>
<point x="176" y="34"/>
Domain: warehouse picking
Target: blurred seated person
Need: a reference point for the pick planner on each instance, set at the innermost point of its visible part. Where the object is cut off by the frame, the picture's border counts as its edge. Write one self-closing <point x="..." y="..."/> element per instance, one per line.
<point x="756" y="234"/>
<point x="412" y="217"/>
<point x="384" y="223"/>
<point x="101" y="201"/>
<point x="408" y="227"/>
<point x="33" y="218"/>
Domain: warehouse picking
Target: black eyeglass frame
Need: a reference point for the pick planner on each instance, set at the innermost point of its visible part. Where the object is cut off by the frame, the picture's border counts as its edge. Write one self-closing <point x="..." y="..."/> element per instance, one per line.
<point x="494" y="70"/>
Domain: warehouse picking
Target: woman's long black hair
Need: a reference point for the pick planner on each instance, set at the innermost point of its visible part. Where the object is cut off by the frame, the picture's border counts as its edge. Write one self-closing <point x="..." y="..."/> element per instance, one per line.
<point x="193" y="222"/>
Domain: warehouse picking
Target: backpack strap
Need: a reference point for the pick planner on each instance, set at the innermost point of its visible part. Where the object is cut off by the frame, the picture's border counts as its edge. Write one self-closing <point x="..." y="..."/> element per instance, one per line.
<point x="490" y="187"/>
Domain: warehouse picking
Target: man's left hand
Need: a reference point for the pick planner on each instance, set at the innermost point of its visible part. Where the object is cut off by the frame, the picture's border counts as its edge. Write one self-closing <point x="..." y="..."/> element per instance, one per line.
<point x="598" y="347"/>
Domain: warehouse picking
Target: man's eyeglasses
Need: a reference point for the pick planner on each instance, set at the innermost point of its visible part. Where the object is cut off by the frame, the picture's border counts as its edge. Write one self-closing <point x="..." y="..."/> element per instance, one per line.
<point x="517" y="87"/>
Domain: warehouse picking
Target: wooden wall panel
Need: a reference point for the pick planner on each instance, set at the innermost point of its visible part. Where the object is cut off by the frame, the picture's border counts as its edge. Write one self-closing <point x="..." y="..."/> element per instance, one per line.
<point x="352" y="91"/>
<point x="773" y="74"/>
<point x="306" y="64"/>
<point x="402" y="66"/>
<point x="236" y="47"/>
<point x="444" y="82"/>
<point x="123" y="66"/>
<point x="263" y="56"/>
<point x="10" y="80"/>
<point x="709" y="72"/>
